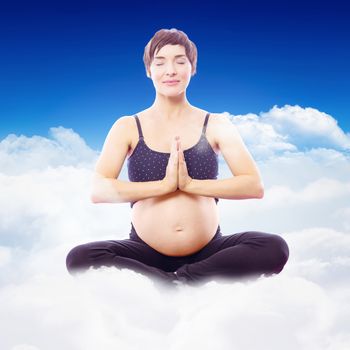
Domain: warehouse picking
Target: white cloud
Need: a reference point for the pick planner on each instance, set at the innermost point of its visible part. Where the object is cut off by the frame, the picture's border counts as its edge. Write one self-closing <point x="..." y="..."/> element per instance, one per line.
<point x="307" y="126"/>
<point x="45" y="210"/>
<point x="290" y="128"/>
<point x="22" y="154"/>
<point x="261" y="138"/>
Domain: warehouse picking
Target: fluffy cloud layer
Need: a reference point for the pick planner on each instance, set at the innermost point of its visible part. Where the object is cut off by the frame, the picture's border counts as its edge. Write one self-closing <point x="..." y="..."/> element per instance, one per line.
<point x="46" y="210"/>
<point x="290" y="128"/>
<point x="22" y="154"/>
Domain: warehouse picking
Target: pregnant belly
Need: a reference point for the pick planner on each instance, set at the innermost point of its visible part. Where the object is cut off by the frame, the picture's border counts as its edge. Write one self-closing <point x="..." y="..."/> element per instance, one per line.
<point x="176" y="224"/>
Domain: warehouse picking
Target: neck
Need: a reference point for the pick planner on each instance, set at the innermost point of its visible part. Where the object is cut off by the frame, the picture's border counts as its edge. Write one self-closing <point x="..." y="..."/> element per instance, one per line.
<point x="171" y="108"/>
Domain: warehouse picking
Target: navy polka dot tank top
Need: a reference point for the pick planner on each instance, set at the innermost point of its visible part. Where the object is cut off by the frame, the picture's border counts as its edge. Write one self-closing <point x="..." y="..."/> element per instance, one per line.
<point x="145" y="164"/>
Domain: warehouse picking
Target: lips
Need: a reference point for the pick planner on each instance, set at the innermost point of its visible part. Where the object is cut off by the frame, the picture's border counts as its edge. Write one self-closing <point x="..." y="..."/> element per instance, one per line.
<point x="171" y="81"/>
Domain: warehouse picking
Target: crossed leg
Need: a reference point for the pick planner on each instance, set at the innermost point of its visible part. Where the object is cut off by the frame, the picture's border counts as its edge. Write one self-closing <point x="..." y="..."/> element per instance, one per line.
<point x="243" y="255"/>
<point x="236" y="256"/>
<point x="124" y="253"/>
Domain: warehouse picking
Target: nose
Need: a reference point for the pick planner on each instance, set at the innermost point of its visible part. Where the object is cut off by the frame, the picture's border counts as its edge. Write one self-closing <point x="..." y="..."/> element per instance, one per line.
<point x="170" y="69"/>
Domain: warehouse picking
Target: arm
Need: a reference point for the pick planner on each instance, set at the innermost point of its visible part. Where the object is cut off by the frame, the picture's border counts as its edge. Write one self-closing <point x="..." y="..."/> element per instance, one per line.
<point x="107" y="190"/>
<point x="246" y="182"/>
<point x="239" y="187"/>
<point x="106" y="187"/>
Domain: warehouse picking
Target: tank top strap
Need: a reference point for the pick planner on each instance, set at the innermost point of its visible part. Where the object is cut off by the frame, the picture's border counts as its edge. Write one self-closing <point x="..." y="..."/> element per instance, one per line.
<point x="205" y="123"/>
<point x="138" y="126"/>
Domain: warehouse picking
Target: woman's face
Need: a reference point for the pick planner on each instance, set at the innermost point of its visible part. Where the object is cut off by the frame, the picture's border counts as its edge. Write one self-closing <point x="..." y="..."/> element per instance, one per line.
<point x="171" y="63"/>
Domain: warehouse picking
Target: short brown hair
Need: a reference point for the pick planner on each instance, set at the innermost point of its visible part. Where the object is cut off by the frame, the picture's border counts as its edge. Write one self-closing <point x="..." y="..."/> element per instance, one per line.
<point x="171" y="36"/>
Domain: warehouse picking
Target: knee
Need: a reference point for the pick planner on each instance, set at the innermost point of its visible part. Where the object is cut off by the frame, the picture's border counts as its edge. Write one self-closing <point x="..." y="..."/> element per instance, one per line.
<point x="280" y="252"/>
<point x="77" y="258"/>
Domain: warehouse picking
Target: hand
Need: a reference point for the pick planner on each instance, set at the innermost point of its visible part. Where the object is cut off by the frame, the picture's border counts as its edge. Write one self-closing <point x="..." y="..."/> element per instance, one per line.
<point x="183" y="178"/>
<point x="171" y="174"/>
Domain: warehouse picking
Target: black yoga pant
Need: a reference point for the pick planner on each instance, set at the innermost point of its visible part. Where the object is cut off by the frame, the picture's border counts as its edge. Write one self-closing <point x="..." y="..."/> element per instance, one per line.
<point x="225" y="257"/>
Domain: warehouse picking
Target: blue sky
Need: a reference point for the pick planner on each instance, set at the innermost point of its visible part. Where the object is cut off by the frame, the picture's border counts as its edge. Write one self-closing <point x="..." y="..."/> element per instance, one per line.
<point x="79" y="65"/>
<point x="67" y="72"/>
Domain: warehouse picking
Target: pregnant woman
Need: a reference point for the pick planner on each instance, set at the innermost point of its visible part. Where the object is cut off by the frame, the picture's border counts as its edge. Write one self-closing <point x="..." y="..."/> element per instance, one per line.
<point x="172" y="149"/>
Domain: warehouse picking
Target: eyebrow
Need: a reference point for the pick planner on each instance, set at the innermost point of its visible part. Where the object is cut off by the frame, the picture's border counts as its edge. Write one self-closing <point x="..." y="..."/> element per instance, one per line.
<point x="175" y="56"/>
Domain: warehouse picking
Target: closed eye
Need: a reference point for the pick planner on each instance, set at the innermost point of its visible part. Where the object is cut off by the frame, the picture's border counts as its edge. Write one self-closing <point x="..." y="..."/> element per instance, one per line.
<point x="160" y="64"/>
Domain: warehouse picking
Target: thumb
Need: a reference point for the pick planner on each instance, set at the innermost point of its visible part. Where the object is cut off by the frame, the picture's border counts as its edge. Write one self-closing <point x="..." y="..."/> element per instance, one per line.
<point x="180" y="152"/>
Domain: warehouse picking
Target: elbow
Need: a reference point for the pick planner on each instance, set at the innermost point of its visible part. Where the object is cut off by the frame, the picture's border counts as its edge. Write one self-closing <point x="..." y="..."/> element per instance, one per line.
<point x="257" y="188"/>
<point x="259" y="191"/>
<point x="94" y="198"/>
<point x="260" y="194"/>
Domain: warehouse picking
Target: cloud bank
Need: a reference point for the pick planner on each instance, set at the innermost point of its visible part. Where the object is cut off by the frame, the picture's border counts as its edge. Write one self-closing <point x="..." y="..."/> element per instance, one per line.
<point x="46" y="210"/>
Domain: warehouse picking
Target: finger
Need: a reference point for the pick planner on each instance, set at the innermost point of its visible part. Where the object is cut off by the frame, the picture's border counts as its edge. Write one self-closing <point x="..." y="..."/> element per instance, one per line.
<point x="181" y="153"/>
<point x="173" y="151"/>
<point x="177" y="142"/>
<point x="176" y="158"/>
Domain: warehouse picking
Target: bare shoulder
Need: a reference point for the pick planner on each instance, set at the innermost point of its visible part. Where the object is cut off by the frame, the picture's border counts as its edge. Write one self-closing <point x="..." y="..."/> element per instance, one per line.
<point x="220" y="119"/>
<point x="115" y="148"/>
<point x="123" y="122"/>
<point x="222" y="127"/>
<point x="232" y="147"/>
<point x="123" y="127"/>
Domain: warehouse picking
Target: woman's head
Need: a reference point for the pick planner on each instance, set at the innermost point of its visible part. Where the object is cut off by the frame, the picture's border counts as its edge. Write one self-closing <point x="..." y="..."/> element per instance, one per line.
<point x="165" y="37"/>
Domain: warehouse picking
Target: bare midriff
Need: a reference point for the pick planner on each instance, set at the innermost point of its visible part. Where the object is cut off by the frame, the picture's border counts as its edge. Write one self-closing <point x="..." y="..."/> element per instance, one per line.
<point x="176" y="224"/>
